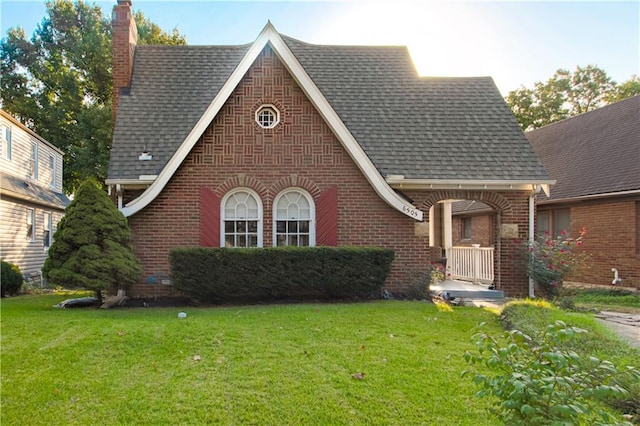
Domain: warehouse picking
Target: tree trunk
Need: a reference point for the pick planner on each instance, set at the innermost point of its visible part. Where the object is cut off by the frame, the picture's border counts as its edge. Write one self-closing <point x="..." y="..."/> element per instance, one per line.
<point x="118" y="300"/>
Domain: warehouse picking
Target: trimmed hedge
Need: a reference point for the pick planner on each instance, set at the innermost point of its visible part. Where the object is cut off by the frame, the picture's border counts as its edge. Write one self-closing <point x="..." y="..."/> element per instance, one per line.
<point x="221" y="274"/>
<point x="11" y="279"/>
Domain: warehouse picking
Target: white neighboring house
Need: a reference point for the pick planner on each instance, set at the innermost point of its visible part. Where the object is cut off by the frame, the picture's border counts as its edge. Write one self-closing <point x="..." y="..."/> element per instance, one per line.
<point x="31" y="198"/>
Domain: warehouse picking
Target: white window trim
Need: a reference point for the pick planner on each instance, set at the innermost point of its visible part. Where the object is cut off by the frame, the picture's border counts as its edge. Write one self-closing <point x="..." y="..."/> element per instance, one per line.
<point x="31" y="221"/>
<point x="222" y="213"/>
<point x="312" y="213"/>
<point x="272" y="108"/>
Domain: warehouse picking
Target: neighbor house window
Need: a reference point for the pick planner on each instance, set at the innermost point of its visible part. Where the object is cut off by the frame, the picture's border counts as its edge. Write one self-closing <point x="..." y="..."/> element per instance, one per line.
<point x="31" y="224"/>
<point x="241" y="219"/>
<point x="561" y="221"/>
<point x="466" y="228"/>
<point x="294" y="219"/>
<point x="5" y="142"/>
<point x="47" y="230"/>
<point x="52" y="166"/>
<point x="553" y="222"/>
<point x="267" y="116"/>
<point x="34" y="161"/>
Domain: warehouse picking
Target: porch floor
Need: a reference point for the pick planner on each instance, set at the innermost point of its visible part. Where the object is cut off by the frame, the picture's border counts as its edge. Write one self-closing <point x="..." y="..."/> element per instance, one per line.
<point x="465" y="290"/>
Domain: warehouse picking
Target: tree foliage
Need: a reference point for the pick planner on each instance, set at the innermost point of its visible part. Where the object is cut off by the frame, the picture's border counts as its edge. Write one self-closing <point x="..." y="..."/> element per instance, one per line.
<point x="567" y="94"/>
<point x="92" y="245"/>
<point x="59" y="82"/>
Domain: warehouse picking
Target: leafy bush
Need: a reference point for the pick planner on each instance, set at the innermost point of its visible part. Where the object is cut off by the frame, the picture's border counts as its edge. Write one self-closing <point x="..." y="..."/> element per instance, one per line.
<point x="540" y="382"/>
<point x="219" y="274"/>
<point x="11" y="278"/>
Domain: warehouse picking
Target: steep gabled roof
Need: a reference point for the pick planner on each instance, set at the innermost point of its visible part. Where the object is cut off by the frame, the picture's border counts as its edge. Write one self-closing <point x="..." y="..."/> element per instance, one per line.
<point x="420" y="127"/>
<point x="390" y="120"/>
<point x="594" y="153"/>
<point x="171" y="88"/>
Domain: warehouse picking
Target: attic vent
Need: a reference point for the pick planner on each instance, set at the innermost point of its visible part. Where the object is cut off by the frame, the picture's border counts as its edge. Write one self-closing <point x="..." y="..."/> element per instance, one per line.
<point x="267" y="116"/>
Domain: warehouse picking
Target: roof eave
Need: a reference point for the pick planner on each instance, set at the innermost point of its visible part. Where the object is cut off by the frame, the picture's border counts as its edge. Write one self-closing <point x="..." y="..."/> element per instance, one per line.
<point x="496" y="185"/>
<point x="591" y="197"/>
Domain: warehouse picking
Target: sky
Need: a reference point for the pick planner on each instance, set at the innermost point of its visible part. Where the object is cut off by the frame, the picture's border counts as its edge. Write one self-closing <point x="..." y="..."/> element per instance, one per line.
<point x="517" y="43"/>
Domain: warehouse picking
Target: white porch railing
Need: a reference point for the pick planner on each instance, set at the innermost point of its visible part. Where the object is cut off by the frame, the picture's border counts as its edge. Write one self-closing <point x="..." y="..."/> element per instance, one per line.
<point x="473" y="264"/>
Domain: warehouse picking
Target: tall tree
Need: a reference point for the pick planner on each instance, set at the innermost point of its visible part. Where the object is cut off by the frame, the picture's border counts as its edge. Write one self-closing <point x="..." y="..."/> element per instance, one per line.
<point x="626" y="90"/>
<point x="564" y="95"/>
<point x="59" y="82"/>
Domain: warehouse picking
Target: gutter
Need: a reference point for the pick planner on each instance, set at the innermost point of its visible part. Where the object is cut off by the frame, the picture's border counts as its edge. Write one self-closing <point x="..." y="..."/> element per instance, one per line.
<point x="590" y="197"/>
<point x="399" y="182"/>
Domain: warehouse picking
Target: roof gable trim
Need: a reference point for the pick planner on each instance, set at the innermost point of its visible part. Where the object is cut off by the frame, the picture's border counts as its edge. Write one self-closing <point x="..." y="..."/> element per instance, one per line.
<point x="269" y="35"/>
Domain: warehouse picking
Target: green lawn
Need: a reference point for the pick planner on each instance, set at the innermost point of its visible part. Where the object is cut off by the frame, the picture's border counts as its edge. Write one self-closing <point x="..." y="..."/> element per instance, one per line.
<point x="266" y="365"/>
<point x="611" y="299"/>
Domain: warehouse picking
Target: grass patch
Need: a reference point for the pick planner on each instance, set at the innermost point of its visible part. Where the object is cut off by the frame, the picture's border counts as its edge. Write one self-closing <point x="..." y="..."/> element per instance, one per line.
<point x="277" y="364"/>
<point x="604" y="299"/>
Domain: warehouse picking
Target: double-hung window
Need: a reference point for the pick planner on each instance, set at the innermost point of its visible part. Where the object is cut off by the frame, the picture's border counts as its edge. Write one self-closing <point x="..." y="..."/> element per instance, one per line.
<point x="47" y="237"/>
<point x="31" y="224"/>
<point x="5" y="142"/>
<point x="53" y="170"/>
<point x="241" y="219"/>
<point x="34" y="161"/>
<point x="294" y="219"/>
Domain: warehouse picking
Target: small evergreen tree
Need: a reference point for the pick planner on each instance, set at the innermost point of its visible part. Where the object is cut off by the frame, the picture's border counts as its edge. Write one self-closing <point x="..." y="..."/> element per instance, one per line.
<point x="92" y="246"/>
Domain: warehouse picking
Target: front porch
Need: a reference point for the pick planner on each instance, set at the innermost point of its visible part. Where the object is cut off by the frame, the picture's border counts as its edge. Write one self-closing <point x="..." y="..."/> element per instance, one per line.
<point x="458" y="289"/>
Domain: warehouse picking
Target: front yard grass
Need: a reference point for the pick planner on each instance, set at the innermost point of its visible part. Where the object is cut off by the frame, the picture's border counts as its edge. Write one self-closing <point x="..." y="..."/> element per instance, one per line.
<point x="604" y="299"/>
<point x="263" y="365"/>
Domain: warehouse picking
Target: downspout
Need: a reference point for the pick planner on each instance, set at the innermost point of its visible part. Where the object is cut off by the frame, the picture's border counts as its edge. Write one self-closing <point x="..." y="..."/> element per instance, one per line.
<point x="499" y="249"/>
<point x="119" y="193"/>
<point x="531" y="234"/>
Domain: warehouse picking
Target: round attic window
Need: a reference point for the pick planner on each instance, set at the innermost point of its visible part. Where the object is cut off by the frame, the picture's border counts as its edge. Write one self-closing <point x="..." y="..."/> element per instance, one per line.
<point x="267" y="116"/>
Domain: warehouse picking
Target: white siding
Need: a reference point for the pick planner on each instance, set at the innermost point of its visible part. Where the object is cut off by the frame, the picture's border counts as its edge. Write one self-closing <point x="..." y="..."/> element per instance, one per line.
<point x="15" y="247"/>
<point x="20" y="162"/>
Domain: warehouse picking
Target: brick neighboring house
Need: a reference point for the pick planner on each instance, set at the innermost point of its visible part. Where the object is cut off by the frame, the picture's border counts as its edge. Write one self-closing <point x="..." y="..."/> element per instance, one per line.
<point x="595" y="159"/>
<point x="31" y="198"/>
<point x="280" y="142"/>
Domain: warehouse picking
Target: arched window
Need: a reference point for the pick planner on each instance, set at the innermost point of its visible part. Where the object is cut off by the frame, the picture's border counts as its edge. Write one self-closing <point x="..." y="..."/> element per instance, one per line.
<point x="294" y="219"/>
<point x="241" y="224"/>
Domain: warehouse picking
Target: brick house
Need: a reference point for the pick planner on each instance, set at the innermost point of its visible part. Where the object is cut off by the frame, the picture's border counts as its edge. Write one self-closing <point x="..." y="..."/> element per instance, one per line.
<point x="595" y="159"/>
<point x="32" y="201"/>
<point x="280" y="142"/>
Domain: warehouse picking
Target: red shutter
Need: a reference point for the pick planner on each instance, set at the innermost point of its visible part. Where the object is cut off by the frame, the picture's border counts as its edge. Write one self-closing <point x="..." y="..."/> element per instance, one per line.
<point x="327" y="218"/>
<point x="209" y="218"/>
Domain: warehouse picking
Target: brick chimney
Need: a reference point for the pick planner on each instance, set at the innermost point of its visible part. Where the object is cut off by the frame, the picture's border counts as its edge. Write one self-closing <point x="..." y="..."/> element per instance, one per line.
<point x="125" y="37"/>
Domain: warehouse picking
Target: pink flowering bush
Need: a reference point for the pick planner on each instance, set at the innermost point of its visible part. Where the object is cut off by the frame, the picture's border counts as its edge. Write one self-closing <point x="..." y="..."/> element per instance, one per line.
<point x="550" y="260"/>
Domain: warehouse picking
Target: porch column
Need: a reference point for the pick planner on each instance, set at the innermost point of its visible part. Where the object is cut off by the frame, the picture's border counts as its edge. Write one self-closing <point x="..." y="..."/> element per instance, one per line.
<point x="446" y="221"/>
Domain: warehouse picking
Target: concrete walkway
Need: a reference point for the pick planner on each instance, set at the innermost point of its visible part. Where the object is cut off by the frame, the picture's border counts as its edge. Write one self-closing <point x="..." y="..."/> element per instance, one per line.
<point x="627" y="326"/>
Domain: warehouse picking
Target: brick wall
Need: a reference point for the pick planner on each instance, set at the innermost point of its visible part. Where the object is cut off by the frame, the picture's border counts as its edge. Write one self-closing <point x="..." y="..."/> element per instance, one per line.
<point x="482" y="227"/>
<point x="300" y="151"/>
<point x="125" y="36"/>
<point x="611" y="240"/>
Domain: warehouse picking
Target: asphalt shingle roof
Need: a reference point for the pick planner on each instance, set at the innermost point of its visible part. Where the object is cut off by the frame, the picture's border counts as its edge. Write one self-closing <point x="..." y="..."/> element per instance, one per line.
<point x="34" y="192"/>
<point x="597" y="152"/>
<point x="419" y="127"/>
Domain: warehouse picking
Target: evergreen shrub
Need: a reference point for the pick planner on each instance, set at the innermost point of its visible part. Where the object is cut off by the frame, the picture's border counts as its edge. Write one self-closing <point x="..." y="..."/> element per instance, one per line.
<point x="221" y="274"/>
<point x="11" y="279"/>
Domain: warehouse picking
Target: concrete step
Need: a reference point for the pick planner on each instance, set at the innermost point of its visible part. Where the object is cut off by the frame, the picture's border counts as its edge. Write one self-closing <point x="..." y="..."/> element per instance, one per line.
<point x="465" y="290"/>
